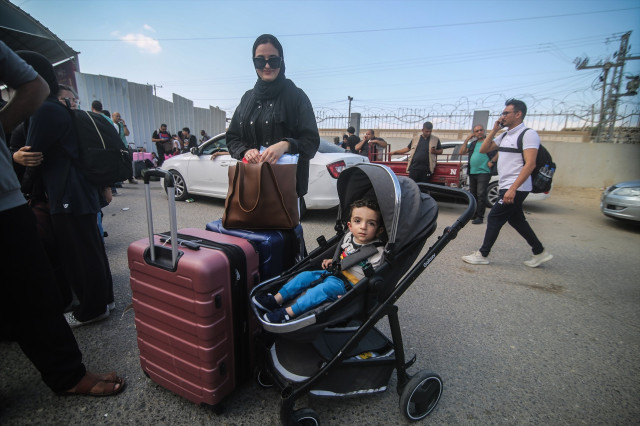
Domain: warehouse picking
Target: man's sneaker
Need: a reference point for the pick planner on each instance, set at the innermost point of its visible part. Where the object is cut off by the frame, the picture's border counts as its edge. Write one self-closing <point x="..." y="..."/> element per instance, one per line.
<point x="278" y="316"/>
<point x="132" y="180"/>
<point x="476" y="259"/>
<point x="477" y="221"/>
<point x="538" y="259"/>
<point x="73" y="322"/>
<point x="111" y="306"/>
<point x="266" y="302"/>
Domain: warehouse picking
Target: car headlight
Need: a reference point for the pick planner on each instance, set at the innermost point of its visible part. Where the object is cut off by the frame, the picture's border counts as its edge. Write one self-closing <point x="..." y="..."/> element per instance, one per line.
<point x="631" y="191"/>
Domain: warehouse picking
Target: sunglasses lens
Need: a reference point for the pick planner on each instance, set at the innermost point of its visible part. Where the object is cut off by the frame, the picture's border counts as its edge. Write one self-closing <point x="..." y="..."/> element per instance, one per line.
<point x="260" y="63"/>
<point x="275" y="62"/>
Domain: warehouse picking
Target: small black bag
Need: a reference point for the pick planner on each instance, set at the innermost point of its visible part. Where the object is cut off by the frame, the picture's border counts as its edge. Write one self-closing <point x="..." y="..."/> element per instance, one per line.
<point x="104" y="160"/>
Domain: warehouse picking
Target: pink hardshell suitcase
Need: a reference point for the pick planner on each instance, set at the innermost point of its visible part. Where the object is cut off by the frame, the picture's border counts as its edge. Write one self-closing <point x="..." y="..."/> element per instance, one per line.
<point x="195" y="329"/>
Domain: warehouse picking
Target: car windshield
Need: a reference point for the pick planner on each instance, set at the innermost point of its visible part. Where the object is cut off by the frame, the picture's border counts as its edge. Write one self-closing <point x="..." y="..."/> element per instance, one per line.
<point x="215" y="146"/>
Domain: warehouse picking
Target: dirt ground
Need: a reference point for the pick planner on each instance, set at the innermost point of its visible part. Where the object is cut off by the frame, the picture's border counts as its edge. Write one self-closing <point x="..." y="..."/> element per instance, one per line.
<point x="558" y="344"/>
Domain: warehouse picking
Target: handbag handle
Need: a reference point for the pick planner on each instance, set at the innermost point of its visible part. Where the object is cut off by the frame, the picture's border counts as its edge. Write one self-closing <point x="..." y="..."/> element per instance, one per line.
<point x="241" y="191"/>
<point x="240" y="175"/>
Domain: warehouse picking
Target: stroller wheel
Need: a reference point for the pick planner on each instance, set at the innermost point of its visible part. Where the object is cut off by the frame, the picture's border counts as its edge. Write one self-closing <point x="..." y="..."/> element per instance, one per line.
<point x="264" y="380"/>
<point x="306" y="417"/>
<point x="421" y="395"/>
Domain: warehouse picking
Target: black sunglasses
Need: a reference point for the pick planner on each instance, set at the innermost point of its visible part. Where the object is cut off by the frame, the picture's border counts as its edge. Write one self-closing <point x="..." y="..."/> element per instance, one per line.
<point x="274" y="62"/>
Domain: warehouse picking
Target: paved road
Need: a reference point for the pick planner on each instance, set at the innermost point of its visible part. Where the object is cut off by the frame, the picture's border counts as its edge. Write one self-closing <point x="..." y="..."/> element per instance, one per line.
<point x="555" y="345"/>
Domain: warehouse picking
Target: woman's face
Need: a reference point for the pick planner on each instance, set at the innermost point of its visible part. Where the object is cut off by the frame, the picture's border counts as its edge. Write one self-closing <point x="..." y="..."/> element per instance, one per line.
<point x="267" y="51"/>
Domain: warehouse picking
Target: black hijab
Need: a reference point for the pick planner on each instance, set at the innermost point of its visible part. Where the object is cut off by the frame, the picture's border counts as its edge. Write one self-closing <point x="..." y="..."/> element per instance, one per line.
<point x="269" y="90"/>
<point x="43" y="67"/>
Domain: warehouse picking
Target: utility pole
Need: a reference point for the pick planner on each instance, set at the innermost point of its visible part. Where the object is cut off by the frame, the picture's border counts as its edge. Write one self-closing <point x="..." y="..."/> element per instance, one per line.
<point x="349" y="115"/>
<point x="609" y="100"/>
<point x="154" y="88"/>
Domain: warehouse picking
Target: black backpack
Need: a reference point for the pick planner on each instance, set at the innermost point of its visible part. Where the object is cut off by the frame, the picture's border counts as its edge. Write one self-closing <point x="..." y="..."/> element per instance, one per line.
<point x="541" y="182"/>
<point x="104" y="160"/>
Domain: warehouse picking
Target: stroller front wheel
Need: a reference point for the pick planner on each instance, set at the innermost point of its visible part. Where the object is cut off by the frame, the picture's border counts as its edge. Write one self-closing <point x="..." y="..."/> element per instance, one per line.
<point x="306" y="417"/>
<point x="264" y="380"/>
<point x="421" y="395"/>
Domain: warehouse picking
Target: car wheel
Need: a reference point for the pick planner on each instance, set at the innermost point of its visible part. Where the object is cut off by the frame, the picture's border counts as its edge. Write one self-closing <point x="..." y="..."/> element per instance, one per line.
<point x="180" y="185"/>
<point x="492" y="194"/>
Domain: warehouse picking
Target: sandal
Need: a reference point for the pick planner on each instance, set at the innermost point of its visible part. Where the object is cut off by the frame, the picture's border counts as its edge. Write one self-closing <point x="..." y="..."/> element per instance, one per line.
<point x="97" y="385"/>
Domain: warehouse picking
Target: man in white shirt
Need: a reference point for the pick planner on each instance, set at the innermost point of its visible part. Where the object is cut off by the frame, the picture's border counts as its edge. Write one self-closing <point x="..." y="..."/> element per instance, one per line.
<point x="514" y="172"/>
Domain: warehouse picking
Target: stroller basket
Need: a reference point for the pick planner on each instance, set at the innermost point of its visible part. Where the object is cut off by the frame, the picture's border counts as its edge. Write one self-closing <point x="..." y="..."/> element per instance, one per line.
<point x="365" y="369"/>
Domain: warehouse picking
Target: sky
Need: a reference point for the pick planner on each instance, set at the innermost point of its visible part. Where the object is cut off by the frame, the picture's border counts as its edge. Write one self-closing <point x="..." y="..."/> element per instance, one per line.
<point x="446" y="56"/>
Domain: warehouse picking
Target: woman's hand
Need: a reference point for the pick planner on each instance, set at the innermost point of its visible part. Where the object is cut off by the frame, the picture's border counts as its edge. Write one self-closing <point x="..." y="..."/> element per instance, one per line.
<point x="252" y="156"/>
<point x="273" y="153"/>
<point x="26" y="158"/>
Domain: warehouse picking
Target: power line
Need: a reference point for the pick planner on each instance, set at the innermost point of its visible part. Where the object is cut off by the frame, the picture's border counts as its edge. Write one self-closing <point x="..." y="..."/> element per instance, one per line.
<point x="377" y="30"/>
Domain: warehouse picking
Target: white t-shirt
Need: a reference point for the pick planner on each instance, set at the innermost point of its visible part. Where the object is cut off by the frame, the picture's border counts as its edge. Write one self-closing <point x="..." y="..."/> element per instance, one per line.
<point x="510" y="163"/>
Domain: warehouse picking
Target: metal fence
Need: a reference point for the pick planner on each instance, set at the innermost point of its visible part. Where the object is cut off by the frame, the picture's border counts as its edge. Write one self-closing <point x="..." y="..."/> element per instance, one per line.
<point x="627" y="123"/>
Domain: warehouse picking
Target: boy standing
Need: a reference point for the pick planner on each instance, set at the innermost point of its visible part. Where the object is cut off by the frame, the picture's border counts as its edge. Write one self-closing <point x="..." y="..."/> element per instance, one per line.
<point x="365" y="226"/>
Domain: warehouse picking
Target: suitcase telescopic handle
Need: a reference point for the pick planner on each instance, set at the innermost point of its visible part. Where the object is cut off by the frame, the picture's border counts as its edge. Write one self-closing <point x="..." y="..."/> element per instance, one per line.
<point x="171" y="194"/>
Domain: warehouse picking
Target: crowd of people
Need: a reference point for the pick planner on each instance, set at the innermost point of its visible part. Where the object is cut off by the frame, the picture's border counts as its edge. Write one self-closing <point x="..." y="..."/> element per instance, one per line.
<point x="516" y="148"/>
<point x="49" y="294"/>
<point x="168" y="144"/>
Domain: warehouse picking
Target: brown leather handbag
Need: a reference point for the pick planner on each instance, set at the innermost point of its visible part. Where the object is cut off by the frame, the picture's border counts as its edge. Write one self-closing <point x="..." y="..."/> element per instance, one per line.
<point x="261" y="196"/>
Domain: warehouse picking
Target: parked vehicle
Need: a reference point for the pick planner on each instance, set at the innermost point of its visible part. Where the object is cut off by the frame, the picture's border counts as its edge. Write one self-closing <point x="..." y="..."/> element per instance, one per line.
<point x="452" y="170"/>
<point x="622" y="201"/>
<point x="197" y="173"/>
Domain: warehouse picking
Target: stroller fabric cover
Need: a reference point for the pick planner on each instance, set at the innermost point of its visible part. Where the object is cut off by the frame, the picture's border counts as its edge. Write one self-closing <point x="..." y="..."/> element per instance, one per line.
<point x="409" y="217"/>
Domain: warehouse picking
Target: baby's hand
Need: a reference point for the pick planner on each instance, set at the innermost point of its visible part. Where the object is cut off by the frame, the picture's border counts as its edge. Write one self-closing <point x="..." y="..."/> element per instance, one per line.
<point x="326" y="263"/>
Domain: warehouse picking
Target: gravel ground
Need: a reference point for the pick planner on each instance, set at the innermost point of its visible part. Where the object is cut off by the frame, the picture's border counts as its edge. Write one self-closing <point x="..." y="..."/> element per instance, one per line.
<point x="559" y="344"/>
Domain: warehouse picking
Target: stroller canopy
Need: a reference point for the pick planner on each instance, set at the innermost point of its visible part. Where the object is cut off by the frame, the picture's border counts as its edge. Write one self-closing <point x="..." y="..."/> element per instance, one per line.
<point x="407" y="213"/>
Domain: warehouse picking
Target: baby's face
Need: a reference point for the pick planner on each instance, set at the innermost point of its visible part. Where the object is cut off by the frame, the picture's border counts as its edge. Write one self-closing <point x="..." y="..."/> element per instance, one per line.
<point x="364" y="225"/>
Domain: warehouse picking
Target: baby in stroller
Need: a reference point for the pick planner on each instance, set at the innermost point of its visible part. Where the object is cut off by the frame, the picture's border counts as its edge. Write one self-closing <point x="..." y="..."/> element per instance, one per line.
<point x="337" y="274"/>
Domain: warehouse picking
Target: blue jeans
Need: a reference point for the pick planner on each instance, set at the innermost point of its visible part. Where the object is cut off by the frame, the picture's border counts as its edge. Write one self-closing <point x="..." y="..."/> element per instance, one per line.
<point x="502" y="213"/>
<point x="329" y="289"/>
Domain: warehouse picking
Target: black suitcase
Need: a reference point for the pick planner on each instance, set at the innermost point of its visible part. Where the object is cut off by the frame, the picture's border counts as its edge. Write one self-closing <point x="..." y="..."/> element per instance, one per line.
<point x="138" y="167"/>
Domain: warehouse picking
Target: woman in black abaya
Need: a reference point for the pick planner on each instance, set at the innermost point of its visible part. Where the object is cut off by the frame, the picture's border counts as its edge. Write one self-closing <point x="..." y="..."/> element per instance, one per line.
<point x="274" y="115"/>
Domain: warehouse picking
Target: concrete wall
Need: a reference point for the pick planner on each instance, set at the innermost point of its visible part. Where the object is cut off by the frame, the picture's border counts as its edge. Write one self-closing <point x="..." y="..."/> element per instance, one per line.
<point x="594" y="165"/>
<point x="144" y="112"/>
<point x="587" y="165"/>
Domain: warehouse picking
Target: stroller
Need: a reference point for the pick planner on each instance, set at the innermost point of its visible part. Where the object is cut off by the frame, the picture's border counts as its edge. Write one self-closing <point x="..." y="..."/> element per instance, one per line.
<point x="335" y="350"/>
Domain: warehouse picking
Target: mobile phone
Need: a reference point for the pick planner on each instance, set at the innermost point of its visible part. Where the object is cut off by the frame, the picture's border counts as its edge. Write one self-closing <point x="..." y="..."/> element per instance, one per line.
<point x="500" y="124"/>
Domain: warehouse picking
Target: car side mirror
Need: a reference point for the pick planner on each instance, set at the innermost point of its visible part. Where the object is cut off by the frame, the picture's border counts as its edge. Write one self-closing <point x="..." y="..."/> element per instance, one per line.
<point x="194" y="150"/>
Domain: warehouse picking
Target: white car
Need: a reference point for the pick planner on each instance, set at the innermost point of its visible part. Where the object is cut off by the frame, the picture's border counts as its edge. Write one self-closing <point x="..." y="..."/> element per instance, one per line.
<point x="453" y="151"/>
<point x="196" y="173"/>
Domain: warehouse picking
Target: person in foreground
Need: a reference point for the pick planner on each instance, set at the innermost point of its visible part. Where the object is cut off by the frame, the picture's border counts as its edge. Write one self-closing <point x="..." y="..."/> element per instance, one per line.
<point x="365" y="228"/>
<point x="275" y="117"/>
<point x="28" y="308"/>
<point x="514" y="172"/>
